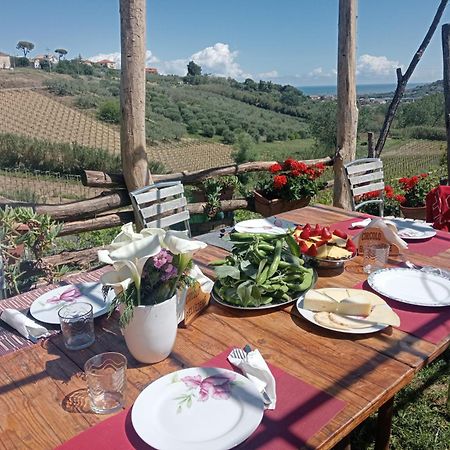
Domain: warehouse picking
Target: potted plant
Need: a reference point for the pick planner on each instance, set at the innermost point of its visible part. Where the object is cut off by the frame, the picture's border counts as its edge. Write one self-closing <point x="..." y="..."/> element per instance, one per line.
<point x="151" y="268"/>
<point x="290" y="185"/>
<point x="391" y="202"/>
<point x="415" y="189"/>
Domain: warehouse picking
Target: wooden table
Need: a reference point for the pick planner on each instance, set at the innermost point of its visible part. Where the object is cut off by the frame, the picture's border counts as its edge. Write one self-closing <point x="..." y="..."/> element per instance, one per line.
<point x="42" y="391"/>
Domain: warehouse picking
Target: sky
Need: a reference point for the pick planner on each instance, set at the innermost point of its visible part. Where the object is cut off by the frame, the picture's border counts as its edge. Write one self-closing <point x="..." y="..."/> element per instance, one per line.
<point x="286" y="41"/>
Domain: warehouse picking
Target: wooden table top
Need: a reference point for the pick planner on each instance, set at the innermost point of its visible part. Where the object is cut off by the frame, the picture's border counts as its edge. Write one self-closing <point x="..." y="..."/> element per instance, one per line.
<point x="43" y="397"/>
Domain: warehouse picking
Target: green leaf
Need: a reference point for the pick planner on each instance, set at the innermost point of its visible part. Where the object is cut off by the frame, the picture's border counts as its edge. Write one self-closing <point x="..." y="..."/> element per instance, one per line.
<point x="228" y="271"/>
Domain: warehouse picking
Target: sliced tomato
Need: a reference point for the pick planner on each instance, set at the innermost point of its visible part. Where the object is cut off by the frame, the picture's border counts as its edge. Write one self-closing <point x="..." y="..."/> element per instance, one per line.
<point x="326" y="234"/>
<point x="312" y="251"/>
<point x="341" y="234"/>
<point x="316" y="231"/>
<point x="303" y="246"/>
<point x="307" y="226"/>
<point x="350" y="246"/>
<point x="320" y="243"/>
<point x="305" y="234"/>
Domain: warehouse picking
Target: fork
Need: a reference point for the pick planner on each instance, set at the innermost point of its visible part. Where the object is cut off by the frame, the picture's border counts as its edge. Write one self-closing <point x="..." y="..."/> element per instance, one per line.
<point x="428" y="269"/>
<point x="239" y="353"/>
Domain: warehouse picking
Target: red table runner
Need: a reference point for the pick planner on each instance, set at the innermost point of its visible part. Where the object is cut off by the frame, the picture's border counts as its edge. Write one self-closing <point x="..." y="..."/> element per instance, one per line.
<point x="302" y="410"/>
<point x="430" y="247"/>
<point x="10" y="339"/>
<point x="430" y="324"/>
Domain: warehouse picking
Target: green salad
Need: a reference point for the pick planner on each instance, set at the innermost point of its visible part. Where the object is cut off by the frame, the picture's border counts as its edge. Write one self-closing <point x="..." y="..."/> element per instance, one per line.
<point x="262" y="269"/>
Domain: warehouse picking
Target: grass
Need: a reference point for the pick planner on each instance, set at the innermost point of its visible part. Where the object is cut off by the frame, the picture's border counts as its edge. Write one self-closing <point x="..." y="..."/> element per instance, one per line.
<point x="297" y="148"/>
<point x="421" y="421"/>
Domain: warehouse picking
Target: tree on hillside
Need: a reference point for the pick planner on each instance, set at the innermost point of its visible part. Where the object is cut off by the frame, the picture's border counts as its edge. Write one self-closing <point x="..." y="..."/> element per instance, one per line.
<point x="193" y="69"/>
<point x="323" y="126"/>
<point x="61" y="52"/>
<point x="25" y="46"/>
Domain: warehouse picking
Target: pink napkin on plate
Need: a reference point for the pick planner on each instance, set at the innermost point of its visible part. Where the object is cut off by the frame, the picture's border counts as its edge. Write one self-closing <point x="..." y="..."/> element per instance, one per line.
<point x="430" y="324"/>
<point x="302" y="410"/>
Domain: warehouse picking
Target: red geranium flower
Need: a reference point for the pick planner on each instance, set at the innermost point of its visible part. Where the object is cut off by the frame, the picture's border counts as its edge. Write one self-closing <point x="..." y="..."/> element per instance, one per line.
<point x="279" y="181"/>
<point x="274" y="168"/>
<point x="400" y="198"/>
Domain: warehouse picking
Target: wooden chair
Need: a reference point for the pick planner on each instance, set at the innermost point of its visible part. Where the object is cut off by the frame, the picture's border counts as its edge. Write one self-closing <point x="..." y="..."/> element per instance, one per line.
<point x="366" y="175"/>
<point x="162" y="205"/>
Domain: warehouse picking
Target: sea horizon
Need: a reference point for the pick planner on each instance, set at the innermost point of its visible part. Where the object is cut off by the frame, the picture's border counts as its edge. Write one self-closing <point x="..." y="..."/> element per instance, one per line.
<point x="361" y="89"/>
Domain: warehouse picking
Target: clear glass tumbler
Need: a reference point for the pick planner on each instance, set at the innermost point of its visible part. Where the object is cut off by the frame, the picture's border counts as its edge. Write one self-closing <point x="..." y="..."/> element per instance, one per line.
<point x="375" y="257"/>
<point x="106" y="381"/>
<point x="77" y="325"/>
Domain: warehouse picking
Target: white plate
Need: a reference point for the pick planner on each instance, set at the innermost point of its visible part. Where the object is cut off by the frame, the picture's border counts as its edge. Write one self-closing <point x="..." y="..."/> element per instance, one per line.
<point x="270" y="225"/>
<point x="45" y="308"/>
<point x="201" y="408"/>
<point x="411" y="286"/>
<point x="309" y="315"/>
<point x="411" y="230"/>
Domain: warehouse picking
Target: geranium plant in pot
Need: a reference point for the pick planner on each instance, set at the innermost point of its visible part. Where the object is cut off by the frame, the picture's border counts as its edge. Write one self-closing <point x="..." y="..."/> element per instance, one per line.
<point x="391" y="202"/>
<point x="290" y="185"/>
<point x="415" y="189"/>
<point x="151" y="268"/>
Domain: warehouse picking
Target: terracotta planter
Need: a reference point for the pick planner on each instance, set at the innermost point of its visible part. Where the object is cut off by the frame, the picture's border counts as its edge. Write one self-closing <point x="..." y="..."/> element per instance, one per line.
<point x="419" y="212"/>
<point x="269" y="208"/>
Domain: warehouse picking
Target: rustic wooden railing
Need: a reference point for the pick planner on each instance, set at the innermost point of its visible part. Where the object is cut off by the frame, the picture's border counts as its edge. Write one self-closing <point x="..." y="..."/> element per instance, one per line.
<point x="112" y="207"/>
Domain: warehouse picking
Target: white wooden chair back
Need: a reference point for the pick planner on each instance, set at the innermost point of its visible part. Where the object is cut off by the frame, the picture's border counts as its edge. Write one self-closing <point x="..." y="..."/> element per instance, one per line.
<point x="366" y="175"/>
<point x="161" y="205"/>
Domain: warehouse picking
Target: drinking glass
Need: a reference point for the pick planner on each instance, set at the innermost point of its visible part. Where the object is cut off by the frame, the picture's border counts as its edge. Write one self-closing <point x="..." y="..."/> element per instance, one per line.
<point x="375" y="256"/>
<point x="106" y="381"/>
<point x="77" y="325"/>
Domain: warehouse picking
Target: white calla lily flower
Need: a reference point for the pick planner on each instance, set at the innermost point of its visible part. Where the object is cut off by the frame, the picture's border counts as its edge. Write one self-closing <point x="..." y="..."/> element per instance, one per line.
<point x="177" y="242"/>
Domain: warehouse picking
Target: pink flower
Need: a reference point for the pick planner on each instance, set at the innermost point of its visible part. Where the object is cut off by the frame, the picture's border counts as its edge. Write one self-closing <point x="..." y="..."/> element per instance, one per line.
<point x="216" y="386"/>
<point x="67" y="296"/>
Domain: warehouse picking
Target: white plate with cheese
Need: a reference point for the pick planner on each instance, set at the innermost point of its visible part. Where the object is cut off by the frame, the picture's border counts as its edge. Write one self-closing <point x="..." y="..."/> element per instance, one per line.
<point x="352" y="311"/>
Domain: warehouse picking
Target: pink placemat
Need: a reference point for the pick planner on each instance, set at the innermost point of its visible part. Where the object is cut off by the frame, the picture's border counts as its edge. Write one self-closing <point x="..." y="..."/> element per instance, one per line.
<point x="430" y="324"/>
<point x="429" y="247"/>
<point x="302" y="410"/>
<point x="10" y="339"/>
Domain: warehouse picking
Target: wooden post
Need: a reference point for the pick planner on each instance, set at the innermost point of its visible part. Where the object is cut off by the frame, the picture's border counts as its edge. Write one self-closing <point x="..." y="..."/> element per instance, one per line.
<point x="132" y="94"/>
<point x="347" y="112"/>
<point x="446" y="56"/>
<point x="370" y="146"/>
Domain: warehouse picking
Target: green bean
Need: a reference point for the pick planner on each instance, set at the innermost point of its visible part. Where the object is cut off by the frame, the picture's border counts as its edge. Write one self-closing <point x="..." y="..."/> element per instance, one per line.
<point x="276" y="259"/>
<point x="263" y="276"/>
<point x="218" y="262"/>
<point x="292" y="244"/>
<point x="264" y="246"/>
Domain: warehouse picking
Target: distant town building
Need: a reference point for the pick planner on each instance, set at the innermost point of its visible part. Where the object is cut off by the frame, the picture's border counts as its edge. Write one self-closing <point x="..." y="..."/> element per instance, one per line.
<point x="152" y="70"/>
<point x="87" y="62"/>
<point x="5" y="61"/>
<point x="106" y="63"/>
<point x="36" y="61"/>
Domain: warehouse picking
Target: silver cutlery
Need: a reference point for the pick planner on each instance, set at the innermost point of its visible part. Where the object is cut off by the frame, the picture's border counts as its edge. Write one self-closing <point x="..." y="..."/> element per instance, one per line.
<point x="428" y="269"/>
<point x="241" y="354"/>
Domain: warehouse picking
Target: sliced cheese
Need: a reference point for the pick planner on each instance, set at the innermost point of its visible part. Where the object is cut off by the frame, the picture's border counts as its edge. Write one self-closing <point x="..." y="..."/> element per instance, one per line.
<point x="383" y="314"/>
<point x="338" y="253"/>
<point x="336" y="240"/>
<point x="316" y="301"/>
<point x="322" y="252"/>
<point x="354" y="306"/>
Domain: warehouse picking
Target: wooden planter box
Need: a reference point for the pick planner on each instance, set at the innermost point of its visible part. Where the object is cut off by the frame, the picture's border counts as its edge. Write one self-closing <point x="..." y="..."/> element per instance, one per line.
<point x="419" y="212"/>
<point x="269" y="208"/>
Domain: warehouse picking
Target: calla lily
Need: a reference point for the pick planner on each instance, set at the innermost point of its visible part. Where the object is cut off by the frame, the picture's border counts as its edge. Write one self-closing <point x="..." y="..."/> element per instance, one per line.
<point x="177" y="242"/>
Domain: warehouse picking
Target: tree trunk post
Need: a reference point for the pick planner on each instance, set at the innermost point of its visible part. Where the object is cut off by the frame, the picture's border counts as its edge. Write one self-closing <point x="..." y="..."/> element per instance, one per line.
<point x="446" y="57"/>
<point x="370" y="146"/>
<point x="347" y="111"/>
<point x="132" y="94"/>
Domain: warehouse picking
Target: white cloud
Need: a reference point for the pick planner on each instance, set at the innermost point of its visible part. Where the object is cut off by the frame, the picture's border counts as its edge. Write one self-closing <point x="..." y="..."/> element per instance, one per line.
<point x="319" y="73"/>
<point x="376" y="65"/>
<point x="150" y="59"/>
<point x="218" y="60"/>
<point x="270" y="74"/>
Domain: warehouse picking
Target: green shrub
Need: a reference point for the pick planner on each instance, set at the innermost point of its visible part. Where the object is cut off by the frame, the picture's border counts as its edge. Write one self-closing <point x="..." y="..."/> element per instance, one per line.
<point x="429" y="133"/>
<point x="109" y="111"/>
<point x="23" y="152"/>
<point x="86" y="101"/>
<point x="64" y="87"/>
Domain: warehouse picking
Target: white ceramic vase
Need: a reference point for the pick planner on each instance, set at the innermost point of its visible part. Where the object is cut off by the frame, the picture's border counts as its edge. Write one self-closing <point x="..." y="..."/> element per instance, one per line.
<point x="150" y="335"/>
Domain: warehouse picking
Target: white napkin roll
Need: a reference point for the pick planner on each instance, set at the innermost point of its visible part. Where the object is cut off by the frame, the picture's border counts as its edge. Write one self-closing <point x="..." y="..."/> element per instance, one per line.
<point x="361" y="223"/>
<point x="24" y="325"/>
<point x="255" y="368"/>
